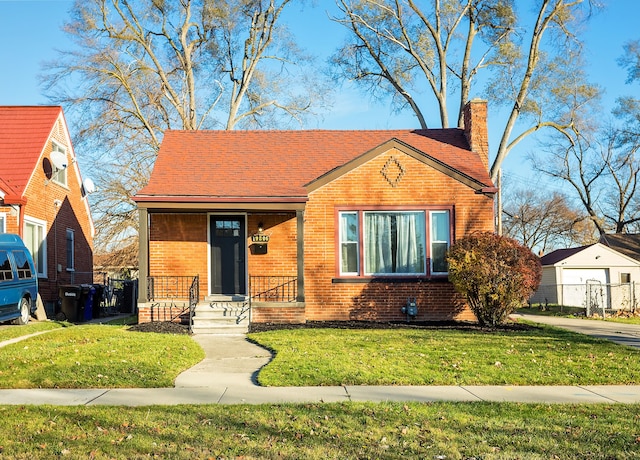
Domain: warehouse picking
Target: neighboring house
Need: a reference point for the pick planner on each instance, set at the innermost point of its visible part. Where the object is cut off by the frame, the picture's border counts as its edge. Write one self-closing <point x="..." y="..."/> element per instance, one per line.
<point x="42" y="197"/>
<point x="345" y="225"/>
<point x="626" y="243"/>
<point x="588" y="276"/>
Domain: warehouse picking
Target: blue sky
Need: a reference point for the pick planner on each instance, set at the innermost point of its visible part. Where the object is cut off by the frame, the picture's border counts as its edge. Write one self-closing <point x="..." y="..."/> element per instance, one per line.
<point x="30" y="33"/>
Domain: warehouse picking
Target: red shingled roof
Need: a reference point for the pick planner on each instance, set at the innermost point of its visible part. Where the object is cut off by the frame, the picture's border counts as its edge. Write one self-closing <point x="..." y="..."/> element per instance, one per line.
<point x="23" y="134"/>
<point x="270" y="164"/>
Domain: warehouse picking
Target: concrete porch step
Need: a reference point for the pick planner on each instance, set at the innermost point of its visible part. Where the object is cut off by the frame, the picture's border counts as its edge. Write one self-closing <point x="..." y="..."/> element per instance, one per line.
<point x="220" y="329"/>
<point x="222" y="317"/>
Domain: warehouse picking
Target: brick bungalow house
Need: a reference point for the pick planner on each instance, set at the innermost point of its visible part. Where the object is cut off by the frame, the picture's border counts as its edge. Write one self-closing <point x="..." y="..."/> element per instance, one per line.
<point x="42" y="197"/>
<point x="316" y="225"/>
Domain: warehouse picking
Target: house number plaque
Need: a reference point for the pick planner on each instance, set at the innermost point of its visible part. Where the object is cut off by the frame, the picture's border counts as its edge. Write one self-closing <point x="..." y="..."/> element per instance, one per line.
<point x="260" y="238"/>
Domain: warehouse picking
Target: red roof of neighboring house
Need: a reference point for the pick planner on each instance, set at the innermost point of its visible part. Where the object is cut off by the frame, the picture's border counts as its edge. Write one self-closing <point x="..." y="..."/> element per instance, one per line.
<point x="6" y="189"/>
<point x="270" y="164"/>
<point x="23" y="134"/>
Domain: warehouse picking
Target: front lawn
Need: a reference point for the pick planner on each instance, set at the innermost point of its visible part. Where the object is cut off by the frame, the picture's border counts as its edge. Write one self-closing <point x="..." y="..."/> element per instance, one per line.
<point x="11" y="331"/>
<point x="324" y="431"/>
<point x="434" y="356"/>
<point x="97" y="356"/>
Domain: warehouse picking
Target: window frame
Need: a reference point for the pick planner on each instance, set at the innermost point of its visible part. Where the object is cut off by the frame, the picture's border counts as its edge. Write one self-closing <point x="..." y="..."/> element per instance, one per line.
<point x="3" y="222"/>
<point x="343" y="242"/>
<point x="432" y="241"/>
<point x="42" y="250"/>
<point x="59" y="176"/>
<point x="360" y="211"/>
<point x="70" y="251"/>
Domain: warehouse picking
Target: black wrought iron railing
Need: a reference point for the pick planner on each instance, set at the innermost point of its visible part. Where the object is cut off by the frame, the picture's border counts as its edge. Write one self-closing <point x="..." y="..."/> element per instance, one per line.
<point x="169" y="287"/>
<point x="273" y="288"/>
<point x="194" y="298"/>
<point x="173" y="297"/>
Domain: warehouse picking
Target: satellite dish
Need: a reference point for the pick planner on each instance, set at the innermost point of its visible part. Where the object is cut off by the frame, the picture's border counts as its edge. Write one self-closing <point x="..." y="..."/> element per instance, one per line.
<point x="88" y="185"/>
<point x="59" y="159"/>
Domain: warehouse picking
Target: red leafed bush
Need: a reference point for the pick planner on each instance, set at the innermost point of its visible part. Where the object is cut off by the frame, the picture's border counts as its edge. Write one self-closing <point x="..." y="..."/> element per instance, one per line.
<point x="495" y="274"/>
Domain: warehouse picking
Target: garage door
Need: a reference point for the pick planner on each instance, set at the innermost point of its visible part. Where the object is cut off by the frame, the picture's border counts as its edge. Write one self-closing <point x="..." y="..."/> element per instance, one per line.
<point x="575" y="291"/>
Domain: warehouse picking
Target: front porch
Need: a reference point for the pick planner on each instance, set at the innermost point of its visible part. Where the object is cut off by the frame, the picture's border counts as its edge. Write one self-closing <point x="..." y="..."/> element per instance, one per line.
<point x="177" y="299"/>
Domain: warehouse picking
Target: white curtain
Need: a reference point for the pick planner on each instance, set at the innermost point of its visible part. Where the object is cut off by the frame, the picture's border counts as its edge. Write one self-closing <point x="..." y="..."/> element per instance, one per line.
<point x="378" y="243"/>
<point x="407" y="254"/>
<point x="394" y="242"/>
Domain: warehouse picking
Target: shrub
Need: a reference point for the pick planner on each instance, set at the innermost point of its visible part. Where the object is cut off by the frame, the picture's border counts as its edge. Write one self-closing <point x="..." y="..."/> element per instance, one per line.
<point x="495" y="274"/>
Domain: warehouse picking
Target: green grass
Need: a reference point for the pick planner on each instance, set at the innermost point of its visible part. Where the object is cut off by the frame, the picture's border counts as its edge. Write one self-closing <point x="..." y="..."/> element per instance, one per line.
<point x="124" y="321"/>
<point x="324" y="431"/>
<point x="97" y="356"/>
<point x="540" y="356"/>
<point x="11" y="331"/>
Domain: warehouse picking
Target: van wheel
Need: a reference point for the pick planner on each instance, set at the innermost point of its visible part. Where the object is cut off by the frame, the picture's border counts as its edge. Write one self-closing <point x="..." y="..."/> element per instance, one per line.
<point x="25" y="312"/>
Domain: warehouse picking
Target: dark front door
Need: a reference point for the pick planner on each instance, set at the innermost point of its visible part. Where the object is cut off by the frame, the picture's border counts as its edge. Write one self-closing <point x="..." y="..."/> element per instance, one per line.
<point x="228" y="255"/>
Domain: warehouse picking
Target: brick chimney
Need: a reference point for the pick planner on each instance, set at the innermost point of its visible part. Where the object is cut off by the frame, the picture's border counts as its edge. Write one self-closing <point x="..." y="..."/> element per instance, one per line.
<point x="475" y="128"/>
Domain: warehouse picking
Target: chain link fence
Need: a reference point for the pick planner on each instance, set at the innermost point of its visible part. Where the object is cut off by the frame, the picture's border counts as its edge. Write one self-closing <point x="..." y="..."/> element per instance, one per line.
<point x="593" y="296"/>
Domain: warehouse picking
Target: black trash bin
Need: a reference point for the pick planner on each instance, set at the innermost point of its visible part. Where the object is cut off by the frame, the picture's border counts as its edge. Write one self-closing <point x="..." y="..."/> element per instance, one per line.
<point x="128" y="297"/>
<point x="97" y="299"/>
<point x="70" y="303"/>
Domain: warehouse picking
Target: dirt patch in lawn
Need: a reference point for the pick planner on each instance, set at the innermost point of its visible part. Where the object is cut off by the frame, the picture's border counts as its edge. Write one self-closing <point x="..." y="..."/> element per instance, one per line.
<point x="458" y="325"/>
<point x="166" y="327"/>
<point x="161" y="327"/>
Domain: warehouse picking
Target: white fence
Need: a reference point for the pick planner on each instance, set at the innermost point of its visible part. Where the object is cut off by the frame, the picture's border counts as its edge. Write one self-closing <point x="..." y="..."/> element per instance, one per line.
<point x="593" y="296"/>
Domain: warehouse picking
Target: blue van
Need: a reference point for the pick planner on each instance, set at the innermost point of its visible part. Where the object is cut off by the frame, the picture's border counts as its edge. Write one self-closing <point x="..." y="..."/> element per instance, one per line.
<point x="18" y="280"/>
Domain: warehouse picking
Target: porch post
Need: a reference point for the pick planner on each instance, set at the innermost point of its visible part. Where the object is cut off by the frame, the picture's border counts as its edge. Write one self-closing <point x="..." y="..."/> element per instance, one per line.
<point x="143" y="254"/>
<point x="300" y="241"/>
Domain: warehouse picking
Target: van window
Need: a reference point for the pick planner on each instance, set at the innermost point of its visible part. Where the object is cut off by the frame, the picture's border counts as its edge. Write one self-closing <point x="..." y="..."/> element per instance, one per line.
<point x="5" y="267"/>
<point x="22" y="263"/>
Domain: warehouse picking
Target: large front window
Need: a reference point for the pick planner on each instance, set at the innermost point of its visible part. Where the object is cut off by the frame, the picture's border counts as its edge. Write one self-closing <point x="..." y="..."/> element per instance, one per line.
<point x="391" y="242"/>
<point x="394" y="242"/>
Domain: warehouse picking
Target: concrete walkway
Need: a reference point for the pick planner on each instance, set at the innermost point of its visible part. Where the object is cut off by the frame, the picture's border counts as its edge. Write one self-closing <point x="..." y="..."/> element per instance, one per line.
<point x="227" y="376"/>
<point x="624" y="334"/>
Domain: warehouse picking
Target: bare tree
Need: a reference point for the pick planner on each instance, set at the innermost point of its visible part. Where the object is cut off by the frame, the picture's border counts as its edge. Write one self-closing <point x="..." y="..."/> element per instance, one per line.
<point x="602" y="173"/>
<point x="142" y="67"/>
<point x="532" y="63"/>
<point x="602" y="165"/>
<point x="545" y="221"/>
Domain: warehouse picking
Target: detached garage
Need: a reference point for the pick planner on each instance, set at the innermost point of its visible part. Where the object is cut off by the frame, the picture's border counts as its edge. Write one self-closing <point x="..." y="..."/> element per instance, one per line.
<point x="593" y="276"/>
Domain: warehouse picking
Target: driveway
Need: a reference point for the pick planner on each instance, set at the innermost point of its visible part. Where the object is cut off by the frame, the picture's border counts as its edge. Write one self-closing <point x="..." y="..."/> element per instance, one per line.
<point x="624" y="334"/>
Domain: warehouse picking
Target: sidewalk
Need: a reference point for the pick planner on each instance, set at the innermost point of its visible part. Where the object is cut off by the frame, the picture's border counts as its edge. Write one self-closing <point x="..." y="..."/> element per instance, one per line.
<point x="227" y="376"/>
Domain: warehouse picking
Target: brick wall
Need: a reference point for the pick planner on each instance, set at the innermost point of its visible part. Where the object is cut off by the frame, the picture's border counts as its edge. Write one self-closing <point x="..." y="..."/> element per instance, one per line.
<point x="281" y="257"/>
<point x="178" y="246"/>
<point x="290" y="313"/>
<point x="328" y="297"/>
